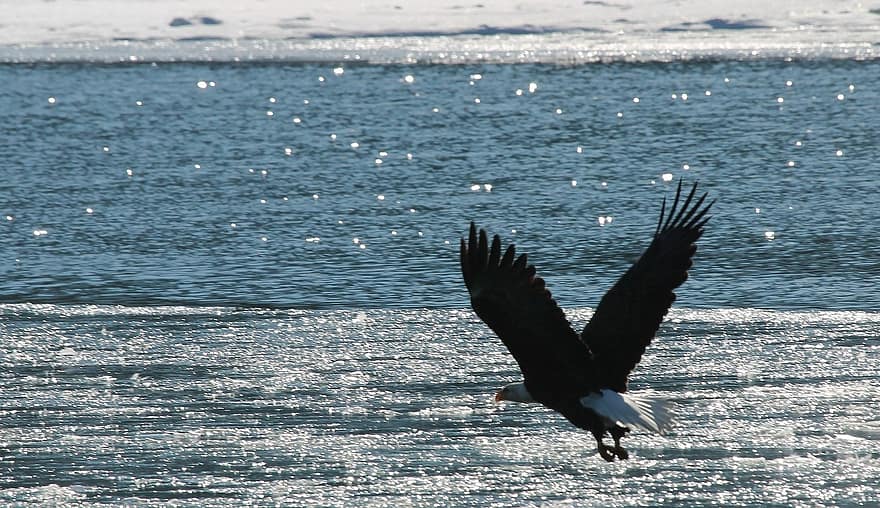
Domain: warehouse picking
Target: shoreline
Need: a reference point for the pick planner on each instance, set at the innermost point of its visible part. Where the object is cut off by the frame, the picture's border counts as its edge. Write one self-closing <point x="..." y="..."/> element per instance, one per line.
<point x="560" y="48"/>
<point x="442" y="31"/>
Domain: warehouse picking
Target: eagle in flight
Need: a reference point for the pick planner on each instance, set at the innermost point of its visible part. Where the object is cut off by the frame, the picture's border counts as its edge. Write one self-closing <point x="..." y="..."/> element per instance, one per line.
<point x="584" y="376"/>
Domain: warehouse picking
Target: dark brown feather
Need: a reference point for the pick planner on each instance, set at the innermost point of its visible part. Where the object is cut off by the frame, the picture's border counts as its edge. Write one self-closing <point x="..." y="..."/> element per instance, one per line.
<point x="508" y="296"/>
<point x="629" y="314"/>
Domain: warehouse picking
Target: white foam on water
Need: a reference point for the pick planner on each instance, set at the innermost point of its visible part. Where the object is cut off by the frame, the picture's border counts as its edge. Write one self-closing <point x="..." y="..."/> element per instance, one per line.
<point x="444" y="31"/>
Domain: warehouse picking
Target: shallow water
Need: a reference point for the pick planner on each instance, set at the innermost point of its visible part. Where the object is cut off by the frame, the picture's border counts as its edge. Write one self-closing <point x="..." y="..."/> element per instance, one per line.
<point x="105" y="404"/>
<point x="321" y="351"/>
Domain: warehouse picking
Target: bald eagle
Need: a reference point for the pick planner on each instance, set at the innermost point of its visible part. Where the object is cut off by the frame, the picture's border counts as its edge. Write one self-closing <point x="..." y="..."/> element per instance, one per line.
<point x="584" y="376"/>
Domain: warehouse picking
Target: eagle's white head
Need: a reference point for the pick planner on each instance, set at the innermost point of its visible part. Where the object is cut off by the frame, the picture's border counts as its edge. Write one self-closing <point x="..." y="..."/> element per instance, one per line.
<point x="515" y="392"/>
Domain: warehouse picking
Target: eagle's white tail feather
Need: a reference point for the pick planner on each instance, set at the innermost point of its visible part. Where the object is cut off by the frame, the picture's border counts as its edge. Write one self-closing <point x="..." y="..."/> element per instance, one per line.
<point x="628" y="410"/>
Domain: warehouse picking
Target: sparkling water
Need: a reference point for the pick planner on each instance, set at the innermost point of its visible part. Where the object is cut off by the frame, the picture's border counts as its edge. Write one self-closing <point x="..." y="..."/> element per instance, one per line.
<point x="238" y="283"/>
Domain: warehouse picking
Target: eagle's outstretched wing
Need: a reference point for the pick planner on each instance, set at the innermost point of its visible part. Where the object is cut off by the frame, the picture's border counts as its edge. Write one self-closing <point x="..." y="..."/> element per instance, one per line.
<point x="631" y="311"/>
<point x="508" y="297"/>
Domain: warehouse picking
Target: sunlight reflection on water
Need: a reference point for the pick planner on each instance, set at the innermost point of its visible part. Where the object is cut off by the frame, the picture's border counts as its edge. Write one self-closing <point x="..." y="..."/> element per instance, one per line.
<point x="222" y="404"/>
<point x="177" y="172"/>
<point x="228" y="226"/>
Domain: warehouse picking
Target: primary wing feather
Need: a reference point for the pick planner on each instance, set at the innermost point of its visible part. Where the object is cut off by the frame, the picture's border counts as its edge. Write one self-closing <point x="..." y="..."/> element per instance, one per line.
<point x="629" y="314"/>
<point x="507" y="296"/>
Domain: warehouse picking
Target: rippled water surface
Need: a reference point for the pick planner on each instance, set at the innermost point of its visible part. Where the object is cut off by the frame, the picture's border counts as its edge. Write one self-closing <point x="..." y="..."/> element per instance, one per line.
<point x="238" y="283"/>
<point x="325" y="186"/>
<point x="391" y="407"/>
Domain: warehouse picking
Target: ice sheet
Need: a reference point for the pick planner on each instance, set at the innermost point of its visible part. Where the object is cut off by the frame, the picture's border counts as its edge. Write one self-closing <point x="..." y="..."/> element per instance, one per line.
<point x="440" y="30"/>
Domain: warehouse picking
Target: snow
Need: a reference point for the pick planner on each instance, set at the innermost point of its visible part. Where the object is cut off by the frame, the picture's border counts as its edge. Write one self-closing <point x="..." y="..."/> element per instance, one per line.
<point x="440" y="30"/>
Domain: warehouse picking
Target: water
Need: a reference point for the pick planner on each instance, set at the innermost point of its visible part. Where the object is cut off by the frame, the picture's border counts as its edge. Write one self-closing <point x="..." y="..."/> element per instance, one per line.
<point x="206" y="304"/>
<point x="202" y="159"/>
<point x="213" y="406"/>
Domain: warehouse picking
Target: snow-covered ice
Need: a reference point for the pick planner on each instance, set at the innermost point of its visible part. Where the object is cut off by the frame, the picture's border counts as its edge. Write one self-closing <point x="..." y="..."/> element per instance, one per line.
<point x="440" y="30"/>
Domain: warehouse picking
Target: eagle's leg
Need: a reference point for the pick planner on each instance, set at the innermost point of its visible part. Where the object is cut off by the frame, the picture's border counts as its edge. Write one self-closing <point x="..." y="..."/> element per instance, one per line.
<point x="605" y="451"/>
<point x="618" y="432"/>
